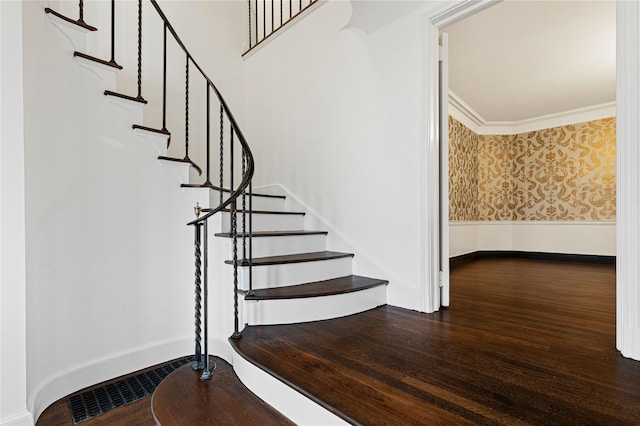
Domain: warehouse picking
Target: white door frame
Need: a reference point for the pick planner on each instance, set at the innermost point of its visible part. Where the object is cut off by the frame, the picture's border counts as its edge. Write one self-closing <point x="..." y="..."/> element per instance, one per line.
<point x="628" y="165"/>
<point x="430" y="173"/>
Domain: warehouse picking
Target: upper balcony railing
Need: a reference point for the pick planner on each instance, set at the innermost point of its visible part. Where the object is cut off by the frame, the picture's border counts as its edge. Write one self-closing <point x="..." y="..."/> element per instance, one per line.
<point x="266" y="17"/>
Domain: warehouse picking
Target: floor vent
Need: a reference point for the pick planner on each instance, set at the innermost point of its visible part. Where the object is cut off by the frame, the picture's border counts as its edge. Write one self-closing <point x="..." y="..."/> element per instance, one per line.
<point x="112" y="395"/>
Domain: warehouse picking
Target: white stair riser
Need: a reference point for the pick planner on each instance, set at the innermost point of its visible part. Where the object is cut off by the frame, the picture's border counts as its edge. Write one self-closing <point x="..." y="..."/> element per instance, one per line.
<point x="266" y="222"/>
<point x="259" y="203"/>
<point x="298" y="408"/>
<point x="279" y="246"/>
<point x="270" y="276"/>
<point x="286" y="311"/>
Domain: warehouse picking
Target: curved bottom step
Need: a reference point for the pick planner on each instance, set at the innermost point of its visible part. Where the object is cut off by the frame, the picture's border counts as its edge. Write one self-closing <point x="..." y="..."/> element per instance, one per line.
<point x="314" y="301"/>
<point x="182" y="399"/>
<point x="300" y="408"/>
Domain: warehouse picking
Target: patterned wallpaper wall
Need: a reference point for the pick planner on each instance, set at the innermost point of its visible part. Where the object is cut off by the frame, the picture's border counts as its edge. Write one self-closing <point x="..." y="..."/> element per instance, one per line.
<point x="463" y="172"/>
<point x="562" y="173"/>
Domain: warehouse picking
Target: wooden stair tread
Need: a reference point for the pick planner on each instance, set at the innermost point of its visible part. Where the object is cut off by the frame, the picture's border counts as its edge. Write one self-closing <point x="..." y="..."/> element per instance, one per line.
<point x="126" y="97"/>
<point x="240" y="211"/>
<point x="97" y="60"/>
<point x="258" y="234"/>
<point x="182" y="399"/>
<point x="217" y="188"/>
<point x="292" y="258"/>
<point x="77" y="22"/>
<point x="151" y="129"/>
<point x="330" y="287"/>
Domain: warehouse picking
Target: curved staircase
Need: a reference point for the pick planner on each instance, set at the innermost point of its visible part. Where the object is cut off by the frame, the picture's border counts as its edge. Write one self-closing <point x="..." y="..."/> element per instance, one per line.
<point x="285" y="274"/>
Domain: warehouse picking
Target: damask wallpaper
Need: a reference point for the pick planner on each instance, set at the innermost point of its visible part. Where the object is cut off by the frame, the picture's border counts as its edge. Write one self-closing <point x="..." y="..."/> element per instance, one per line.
<point x="463" y="172"/>
<point x="562" y="173"/>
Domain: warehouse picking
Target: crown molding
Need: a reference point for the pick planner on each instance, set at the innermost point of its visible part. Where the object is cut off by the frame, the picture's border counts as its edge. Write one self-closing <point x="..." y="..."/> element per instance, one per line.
<point x="465" y="114"/>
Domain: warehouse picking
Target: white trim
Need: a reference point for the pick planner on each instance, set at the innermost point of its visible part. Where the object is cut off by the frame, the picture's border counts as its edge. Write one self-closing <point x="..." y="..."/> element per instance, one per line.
<point x="628" y="175"/>
<point x="465" y="114"/>
<point x="533" y="222"/>
<point x="430" y="149"/>
<point x="294" y="405"/>
<point x="20" y="419"/>
<point x="98" y="370"/>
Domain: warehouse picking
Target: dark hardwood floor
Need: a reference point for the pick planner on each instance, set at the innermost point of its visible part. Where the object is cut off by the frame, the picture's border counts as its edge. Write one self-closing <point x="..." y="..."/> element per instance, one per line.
<point x="524" y="342"/>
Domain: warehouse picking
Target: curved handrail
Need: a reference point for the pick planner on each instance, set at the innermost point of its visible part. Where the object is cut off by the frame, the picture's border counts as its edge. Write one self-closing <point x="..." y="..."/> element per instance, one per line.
<point x="244" y="184"/>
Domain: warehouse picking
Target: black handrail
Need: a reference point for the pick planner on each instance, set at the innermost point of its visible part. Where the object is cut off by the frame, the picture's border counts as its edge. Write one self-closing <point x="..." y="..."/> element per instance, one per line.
<point x="241" y="190"/>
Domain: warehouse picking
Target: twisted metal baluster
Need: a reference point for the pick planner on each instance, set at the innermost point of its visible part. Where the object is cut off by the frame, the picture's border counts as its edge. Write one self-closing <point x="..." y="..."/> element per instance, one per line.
<point x="198" y="364"/>
<point x="164" y="81"/>
<point x="140" y="49"/>
<point x="81" y="10"/>
<point x="234" y="232"/>
<point x="234" y="229"/>
<point x="221" y="151"/>
<point x="206" y="374"/>
<point x="244" y="210"/>
<point x="250" y="39"/>
<point x="186" y="111"/>
<point x="113" y="31"/>
<point x="208" y="181"/>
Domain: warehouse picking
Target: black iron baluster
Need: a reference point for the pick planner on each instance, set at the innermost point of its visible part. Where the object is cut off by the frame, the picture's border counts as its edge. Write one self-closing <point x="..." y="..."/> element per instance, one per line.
<point x="186" y="111"/>
<point x="272" y="21"/>
<point x="281" y="6"/>
<point x="198" y="364"/>
<point x="208" y="181"/>
<point x="234" y="232"/>
<point x="250" y="35"/>
<point x="221" y="151"/>
<point x="206" y="374"/>
<point x="113" y="31"/>
<point x="264" y="18"/>
<point x="164" y="82"/>
<point x="290" y="8"/>
<point x="244" y="210"/>
<point x="300" y="7"/>
<point x="257" y="20"/>
<point x="81" y="11"/>
<point x="140" y="50"/>
<point x="250" y="292"/>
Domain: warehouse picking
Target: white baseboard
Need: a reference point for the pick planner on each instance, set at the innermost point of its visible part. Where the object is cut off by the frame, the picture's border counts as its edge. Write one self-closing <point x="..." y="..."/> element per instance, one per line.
<point x="24" y="418"/>
<point x="63" y="383"/>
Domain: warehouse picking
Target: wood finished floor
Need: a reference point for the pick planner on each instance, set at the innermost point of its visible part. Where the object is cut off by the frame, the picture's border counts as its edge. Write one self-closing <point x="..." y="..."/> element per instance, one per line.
<point x="524" y="342"/>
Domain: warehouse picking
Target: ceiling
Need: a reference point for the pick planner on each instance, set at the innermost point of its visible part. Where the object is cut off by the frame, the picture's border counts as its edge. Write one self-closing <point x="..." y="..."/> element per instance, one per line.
<point x="519" y="60"/>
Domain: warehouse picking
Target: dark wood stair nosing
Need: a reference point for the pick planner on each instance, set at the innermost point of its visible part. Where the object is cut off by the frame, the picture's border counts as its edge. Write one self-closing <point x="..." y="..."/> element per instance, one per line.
<point x="77" y="22"/>
<point x="140" y="100"/>
<point x="217" y="188"/>
<point x="259" y="234"/>
<point x="111" y="64"/>
<point x="274" y="212"/>
<point x="151" y="129"/>
<point x="316" y="256"/>
<point x="235" y="345"/>
<point x="314" y="289"/>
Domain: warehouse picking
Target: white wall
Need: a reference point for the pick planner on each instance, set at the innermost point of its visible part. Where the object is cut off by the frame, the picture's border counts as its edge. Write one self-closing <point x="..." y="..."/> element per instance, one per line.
<point x="13" y="361"/>
<point x="335" y="116"/>
<point x="109" y="256"/>
<point x="589" y="238"/>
